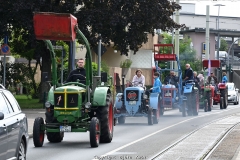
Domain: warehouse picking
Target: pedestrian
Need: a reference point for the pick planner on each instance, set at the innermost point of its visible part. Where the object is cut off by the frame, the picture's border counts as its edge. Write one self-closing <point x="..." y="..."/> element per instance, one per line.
<point x="224" y="78"/>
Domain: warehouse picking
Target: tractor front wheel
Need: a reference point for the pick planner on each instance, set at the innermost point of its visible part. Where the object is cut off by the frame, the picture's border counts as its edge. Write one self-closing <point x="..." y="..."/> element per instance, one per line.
<point x="94" y="132"/>
<point x="55" y="137"/>
<point x="155" y="116"/>
<point x="38" y="133"/>
<point x="106" y="118"/>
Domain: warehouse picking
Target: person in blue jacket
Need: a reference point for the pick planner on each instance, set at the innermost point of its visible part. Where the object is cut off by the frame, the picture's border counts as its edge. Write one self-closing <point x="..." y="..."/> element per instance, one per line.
<point x="224" y="78"/>
<point x="157" y="84"/>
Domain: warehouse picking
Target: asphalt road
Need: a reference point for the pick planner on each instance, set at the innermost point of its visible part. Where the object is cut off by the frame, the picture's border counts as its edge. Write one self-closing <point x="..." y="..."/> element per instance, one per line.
<point x="133" y="140"/>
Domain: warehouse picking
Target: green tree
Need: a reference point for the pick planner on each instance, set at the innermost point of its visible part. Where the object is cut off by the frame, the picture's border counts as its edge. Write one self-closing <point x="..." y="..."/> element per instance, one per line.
<point x="125" y="22"/>
<point x="224" y="45"/>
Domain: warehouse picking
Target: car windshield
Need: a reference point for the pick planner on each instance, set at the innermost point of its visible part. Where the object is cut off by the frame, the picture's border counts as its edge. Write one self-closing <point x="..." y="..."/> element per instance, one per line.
<point x="230" y="87"/>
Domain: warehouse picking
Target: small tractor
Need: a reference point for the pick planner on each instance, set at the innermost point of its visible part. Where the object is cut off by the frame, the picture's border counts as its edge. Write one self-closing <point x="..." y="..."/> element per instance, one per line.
<point x="73" y="106"/>
<point x="133" y="102"/>
<point x="186" y="98"/>
<point x="207" y="90"/>
<point x="221" y="96"/>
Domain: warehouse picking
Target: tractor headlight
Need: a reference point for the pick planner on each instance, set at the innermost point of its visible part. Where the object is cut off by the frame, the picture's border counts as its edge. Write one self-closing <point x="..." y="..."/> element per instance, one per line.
<point x="87" y="105"/>
<point x="48" y="104"/>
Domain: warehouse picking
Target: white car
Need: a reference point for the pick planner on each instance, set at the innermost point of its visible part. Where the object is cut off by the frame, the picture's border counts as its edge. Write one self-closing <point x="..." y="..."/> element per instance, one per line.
<point x="233" y="93"/>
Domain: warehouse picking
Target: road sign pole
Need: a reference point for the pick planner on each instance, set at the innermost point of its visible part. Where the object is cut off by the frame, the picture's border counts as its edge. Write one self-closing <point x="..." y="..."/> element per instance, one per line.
<point x="4" y="70"/>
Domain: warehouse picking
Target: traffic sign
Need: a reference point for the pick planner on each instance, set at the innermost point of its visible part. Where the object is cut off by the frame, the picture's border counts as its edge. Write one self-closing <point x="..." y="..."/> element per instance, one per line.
<point x="5" y="49"/>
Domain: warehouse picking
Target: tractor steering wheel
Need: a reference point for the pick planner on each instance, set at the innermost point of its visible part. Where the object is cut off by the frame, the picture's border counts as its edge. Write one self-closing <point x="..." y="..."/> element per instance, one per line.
<point x="75" y="83"/>
<point x="137" y="84"/>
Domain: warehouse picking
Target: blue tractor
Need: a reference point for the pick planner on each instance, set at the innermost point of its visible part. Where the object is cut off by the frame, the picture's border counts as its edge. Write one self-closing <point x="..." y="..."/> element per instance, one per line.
<point x="133" y="102"/>
<point x="186" y="97"/>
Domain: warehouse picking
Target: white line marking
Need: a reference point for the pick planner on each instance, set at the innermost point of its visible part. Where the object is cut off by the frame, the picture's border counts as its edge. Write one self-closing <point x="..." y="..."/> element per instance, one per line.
<point x="126" y="145"/>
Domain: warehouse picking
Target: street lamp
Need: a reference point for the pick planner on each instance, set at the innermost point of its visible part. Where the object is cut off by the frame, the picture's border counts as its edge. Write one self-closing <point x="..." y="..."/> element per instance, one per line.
<point x="218" y="39"/>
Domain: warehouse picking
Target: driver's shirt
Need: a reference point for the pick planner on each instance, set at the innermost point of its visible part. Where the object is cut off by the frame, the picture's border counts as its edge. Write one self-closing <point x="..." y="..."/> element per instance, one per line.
<point x="140" y="79"/>
<point x="212" y="81"/>
<point x="79" y="74"/>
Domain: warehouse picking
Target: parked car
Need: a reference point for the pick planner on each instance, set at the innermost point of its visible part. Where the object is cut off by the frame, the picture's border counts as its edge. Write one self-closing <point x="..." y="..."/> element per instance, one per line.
<point x="233" y="93"/>
<point x="13" y="128"/>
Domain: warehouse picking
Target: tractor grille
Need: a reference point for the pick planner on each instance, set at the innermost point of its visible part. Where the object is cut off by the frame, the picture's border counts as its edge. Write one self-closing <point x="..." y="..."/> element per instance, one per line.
<point x="132" y="95"/>
<point x="72" y="100"/>
<point x="59" y="99"/>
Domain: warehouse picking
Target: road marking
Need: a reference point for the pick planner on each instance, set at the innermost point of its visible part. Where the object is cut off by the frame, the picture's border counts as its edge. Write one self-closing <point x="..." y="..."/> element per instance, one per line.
<point x="140" y="139"/>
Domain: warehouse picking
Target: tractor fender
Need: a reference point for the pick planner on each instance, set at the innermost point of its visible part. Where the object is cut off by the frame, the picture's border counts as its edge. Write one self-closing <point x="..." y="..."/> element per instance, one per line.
<point x="118" y="101"/>
<point x="100" y="95"/>
<point x="153" y="100"/>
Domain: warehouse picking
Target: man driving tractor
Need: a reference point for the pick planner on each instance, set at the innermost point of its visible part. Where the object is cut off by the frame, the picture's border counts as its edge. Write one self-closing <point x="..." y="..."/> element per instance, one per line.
<point x="78" y="73"/>
<point x="212" y="79"/>
<point x="171" y="79"/>
<point x="139" y="78"/>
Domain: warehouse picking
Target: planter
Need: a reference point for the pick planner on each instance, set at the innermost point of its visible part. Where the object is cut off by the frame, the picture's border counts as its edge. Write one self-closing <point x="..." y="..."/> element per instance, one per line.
<point x="125" y="71"/>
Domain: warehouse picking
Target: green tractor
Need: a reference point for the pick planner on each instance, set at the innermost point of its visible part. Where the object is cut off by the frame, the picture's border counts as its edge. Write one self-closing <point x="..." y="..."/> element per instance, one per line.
<point x="73" y="106"/>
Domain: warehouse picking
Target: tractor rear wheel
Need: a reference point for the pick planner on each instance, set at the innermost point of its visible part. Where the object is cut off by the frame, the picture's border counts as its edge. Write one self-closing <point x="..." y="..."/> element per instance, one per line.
<point x="155" y="116"/>
<point x="38" y="133"/>
<point x="195" y="102"/>
<point x="94" y="132"/>
<point x="225" y="98"/>
<point x="150" y="116"/>
<point x="55" y="137"/>
<point x="221" y="102"/>
<point x="106" y="118"/>
<point x="190" y="104"/>
<point x="205" y="105"/>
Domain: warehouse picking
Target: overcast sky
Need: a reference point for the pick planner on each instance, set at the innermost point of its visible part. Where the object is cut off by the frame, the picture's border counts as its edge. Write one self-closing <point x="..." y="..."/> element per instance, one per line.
<point x="231" y="8"/>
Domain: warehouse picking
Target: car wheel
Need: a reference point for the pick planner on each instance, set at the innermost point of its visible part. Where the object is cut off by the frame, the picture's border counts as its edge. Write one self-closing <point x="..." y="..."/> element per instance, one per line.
<point x="22" y="151"/>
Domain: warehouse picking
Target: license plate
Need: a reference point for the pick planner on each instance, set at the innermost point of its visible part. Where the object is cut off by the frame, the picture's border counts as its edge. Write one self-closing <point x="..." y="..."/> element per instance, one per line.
<point x="65" y="128"/>
<point x="132" y="102"/>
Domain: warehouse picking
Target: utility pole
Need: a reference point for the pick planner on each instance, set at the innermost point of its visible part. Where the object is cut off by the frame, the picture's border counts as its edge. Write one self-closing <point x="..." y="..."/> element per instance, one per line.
<point x="177" y="38"/>
<point x="207" y="56"/>
<point x="218" y="39"/>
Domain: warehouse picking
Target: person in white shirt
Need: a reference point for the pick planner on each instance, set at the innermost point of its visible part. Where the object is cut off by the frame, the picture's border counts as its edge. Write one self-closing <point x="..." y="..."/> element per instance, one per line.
<point x="139" y="78"/>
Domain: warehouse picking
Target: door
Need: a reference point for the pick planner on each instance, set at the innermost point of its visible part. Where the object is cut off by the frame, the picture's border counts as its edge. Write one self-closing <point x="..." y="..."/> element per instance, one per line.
<point x="3" y="128"/>
<point x="13" y="124"/>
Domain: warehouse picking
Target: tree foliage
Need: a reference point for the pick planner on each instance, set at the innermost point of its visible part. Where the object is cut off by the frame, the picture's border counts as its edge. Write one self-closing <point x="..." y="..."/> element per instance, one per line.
<point x="224" y="45"/>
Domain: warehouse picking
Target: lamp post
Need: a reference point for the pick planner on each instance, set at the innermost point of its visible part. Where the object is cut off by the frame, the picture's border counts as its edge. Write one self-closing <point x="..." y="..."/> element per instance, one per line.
<point x="218" y="39"/>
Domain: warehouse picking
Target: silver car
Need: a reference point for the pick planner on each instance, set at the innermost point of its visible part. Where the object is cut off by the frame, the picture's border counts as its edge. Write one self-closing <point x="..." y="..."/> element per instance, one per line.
<point x="13" y="128"/>
<point x="233" y="93"/>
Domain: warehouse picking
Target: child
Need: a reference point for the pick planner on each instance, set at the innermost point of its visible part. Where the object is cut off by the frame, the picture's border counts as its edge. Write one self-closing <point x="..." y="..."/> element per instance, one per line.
<point x="157" y="84"/>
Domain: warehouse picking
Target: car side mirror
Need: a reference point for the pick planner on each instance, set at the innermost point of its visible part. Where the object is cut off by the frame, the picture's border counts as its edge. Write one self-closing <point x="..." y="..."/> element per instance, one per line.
<point x="237" y="89"/>
<point x="1" y="115"/>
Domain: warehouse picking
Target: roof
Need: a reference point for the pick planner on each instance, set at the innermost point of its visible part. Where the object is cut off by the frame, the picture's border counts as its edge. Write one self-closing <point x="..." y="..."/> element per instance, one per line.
<point x="222" y="32"/>
<point x="203" y="15"/>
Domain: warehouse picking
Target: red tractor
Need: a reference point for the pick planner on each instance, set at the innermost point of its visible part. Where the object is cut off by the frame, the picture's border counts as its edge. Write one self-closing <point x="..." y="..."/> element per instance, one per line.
<point x="221" y="96"/>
